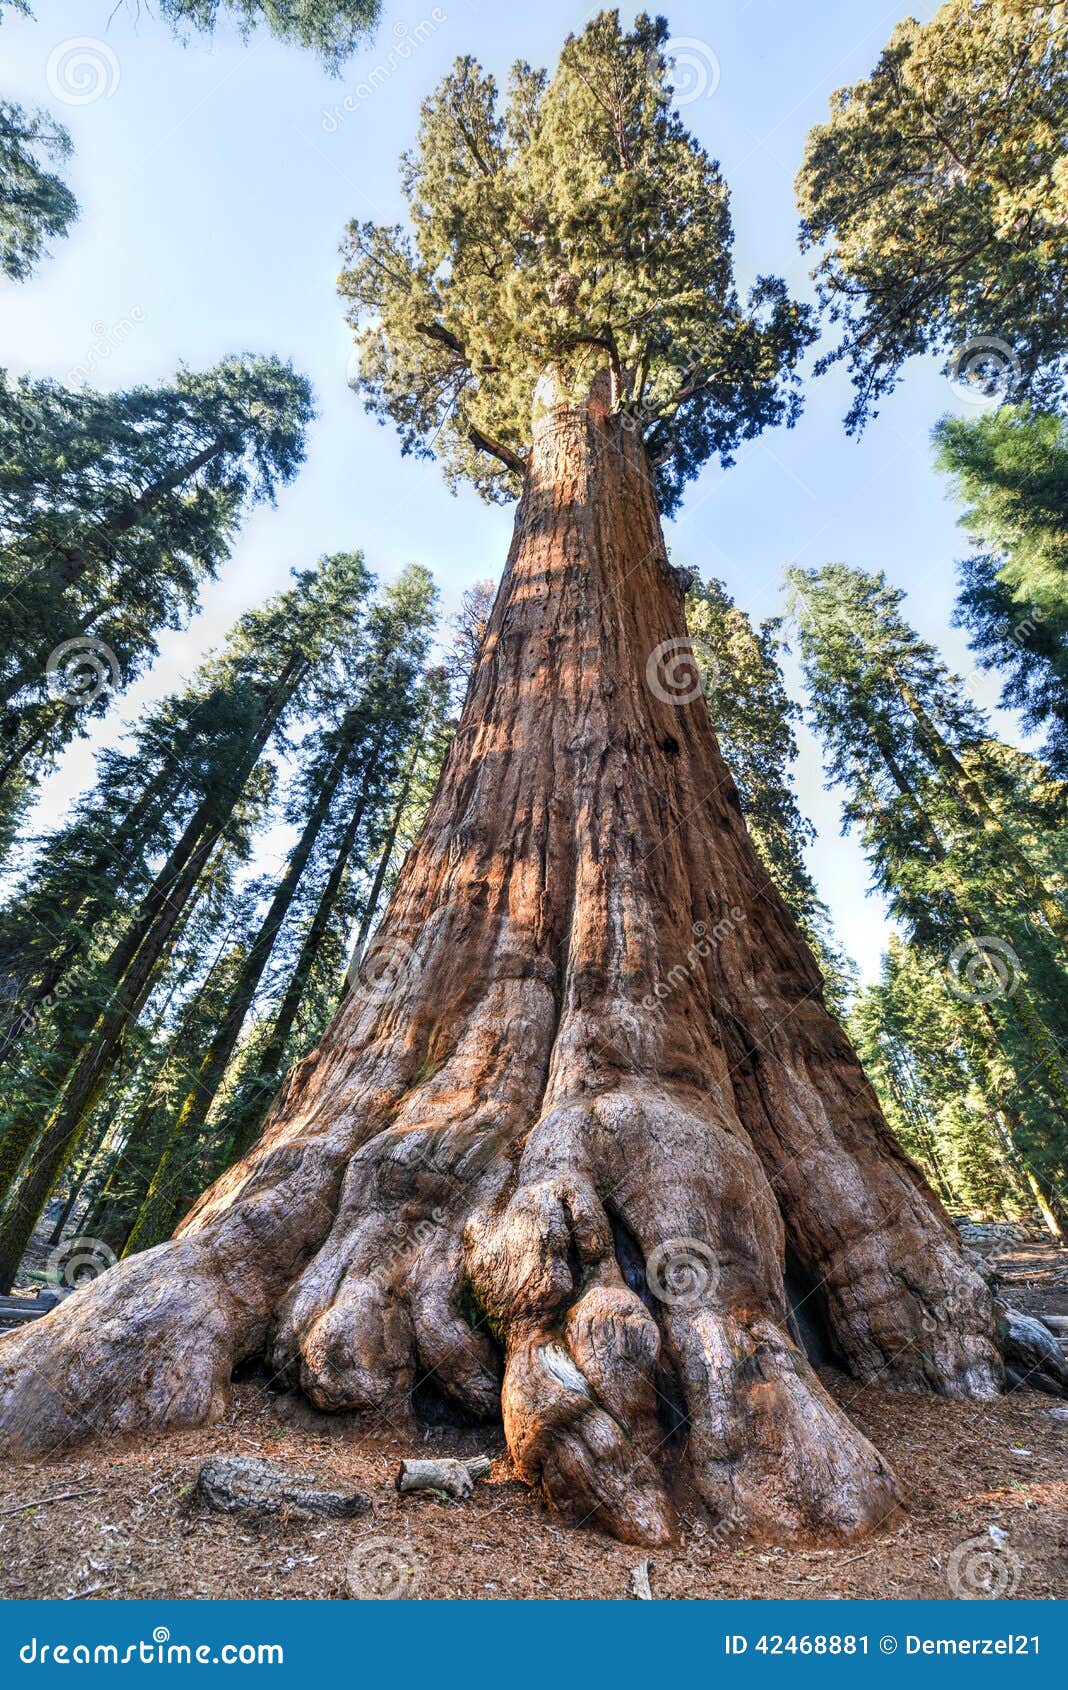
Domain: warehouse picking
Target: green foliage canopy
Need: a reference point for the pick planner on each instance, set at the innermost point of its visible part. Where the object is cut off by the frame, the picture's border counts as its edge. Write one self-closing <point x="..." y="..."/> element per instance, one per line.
<point x="938" y="191"/>
<point x="1010" y="469"/>
<point x="35" y="204"/>
<point x="581" y="228"/>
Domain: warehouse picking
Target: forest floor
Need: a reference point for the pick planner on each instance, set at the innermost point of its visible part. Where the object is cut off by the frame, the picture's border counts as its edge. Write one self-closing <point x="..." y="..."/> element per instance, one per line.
<point x="123" y="1521"/>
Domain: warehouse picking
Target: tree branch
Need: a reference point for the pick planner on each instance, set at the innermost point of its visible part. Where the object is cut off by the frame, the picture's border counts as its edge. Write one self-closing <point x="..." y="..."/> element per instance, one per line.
<point x="483" y="443"/>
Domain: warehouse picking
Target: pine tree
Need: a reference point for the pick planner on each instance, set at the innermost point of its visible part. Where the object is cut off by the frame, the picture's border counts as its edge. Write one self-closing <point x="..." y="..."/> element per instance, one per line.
<point x="1010" y="469"/>
<point x="950" y="1095"/>
<point x="601" y="1085"/>
<point x="359" y="751"/>
<point x="35" y="204"/>
<point x="114" y="509"/>
<point x="965" y="836"/>
<point x="267" y="673"/>
<point x="936" y="190"/>
<point x="754" y="722"/>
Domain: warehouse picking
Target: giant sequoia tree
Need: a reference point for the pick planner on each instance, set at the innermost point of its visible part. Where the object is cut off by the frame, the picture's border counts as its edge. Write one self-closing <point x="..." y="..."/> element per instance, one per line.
<point x="585" y="1063"/>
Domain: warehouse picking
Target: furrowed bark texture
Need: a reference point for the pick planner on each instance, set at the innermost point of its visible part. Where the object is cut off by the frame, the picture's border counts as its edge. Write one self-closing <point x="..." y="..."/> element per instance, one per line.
<point x="557" y="1144"/>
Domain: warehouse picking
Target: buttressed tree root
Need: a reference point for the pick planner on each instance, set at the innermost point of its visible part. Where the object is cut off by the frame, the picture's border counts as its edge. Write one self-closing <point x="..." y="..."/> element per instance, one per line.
<point x="581" y="1107"/>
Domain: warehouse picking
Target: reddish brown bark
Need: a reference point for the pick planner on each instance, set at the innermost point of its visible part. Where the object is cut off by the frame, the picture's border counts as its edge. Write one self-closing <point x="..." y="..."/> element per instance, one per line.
<point x="555" y="1146"/>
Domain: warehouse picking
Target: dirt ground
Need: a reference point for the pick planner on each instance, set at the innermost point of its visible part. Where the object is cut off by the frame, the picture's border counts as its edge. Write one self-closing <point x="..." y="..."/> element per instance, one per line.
<point x="123" y="1521"/>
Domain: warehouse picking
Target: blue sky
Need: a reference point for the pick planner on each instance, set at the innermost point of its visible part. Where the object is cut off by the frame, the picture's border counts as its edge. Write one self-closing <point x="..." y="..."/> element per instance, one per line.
<point x="215" y="179"/>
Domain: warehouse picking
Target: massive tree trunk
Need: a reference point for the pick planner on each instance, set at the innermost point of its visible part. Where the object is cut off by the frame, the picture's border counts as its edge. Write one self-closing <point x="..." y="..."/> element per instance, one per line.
<point x="581" y="1107"/>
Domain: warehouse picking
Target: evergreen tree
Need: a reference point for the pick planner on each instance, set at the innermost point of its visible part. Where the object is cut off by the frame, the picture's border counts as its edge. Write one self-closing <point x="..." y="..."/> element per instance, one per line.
<point x="937" y="191"/>
<point x="609" y="1041"/>
<point x="1010" y="469"/>
<point x="143" y="1113"/>
<point x="965" y="835"/>
<point x="268" y="673"/>
<point x="947" y="1089"/>
<point x="469" y="627"/>
<point x="754" y="721"/>
<point x="331" y="28"/>
<point x="35" y="204"/>
<point x="551" y="237"/>
<point x="360" y="751"/>
<point x="114" y="508"/>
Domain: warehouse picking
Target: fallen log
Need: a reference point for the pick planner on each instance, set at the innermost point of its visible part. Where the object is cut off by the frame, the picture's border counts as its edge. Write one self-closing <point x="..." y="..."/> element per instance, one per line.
<point x="242" y="1484"/>
<point x="455" y="1478"/>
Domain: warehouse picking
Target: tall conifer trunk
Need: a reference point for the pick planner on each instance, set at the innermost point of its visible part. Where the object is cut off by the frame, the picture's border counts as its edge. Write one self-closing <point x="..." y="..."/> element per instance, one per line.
<point x="588" y="1075"/>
